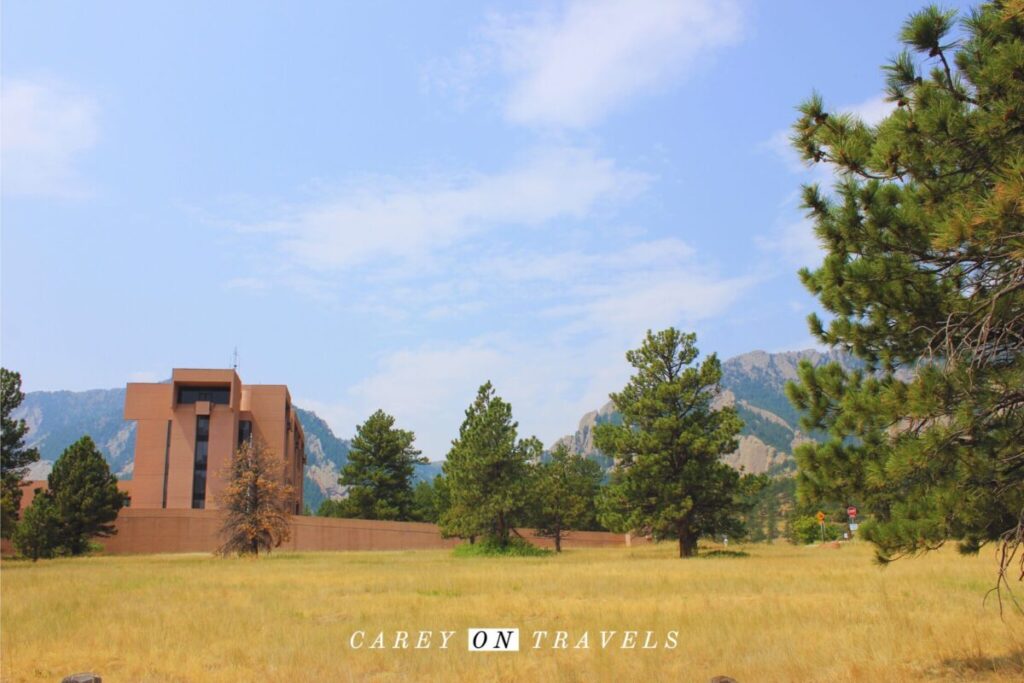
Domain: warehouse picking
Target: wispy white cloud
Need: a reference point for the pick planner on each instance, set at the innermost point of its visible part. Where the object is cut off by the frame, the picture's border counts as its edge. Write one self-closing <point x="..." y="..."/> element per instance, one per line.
<point x="780" y="146"/>
<point x="411" y="219"/>
<point x="550" y="379"/>
<point x="795" y="243"/>
<point x="587" y="309"/>
<point x="545" y="315"/>
<point x="610" y="289"/>
<point x="571" y="68"/>
<point x="871" y="111"/>
<point x="428" y="388"/>
<point x="571" y="265"/>
<point x="616" y="291"/>
<point x="640" y="299"/>
<point x="45" y="128"/>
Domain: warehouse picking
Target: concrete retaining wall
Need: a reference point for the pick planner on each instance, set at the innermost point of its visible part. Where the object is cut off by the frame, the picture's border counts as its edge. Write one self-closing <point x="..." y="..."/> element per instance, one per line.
<point x="177" y="531"/>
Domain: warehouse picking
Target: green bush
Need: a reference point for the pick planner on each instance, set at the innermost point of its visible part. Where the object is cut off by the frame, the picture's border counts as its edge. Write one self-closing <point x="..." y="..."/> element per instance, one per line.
<point x="37" y="534"/>
<point x="490" y="547"/>
<point x="806" y="530"/>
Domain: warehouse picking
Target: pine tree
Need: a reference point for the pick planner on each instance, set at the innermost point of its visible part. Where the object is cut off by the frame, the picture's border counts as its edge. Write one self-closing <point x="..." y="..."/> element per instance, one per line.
<point x="14" y="457"/>
<point x="772" y="520"/>
<point x="85" y="495"/>
<point x="425" y="502"/>
<point x="379" y="471"/>
<point x="924" y="280"/>
<point x="442" y="498"/>
<point x="565" y="491"/>
<point x="668" y="478"/>
<point x="256" y="501"/>
<point x="487" y="472"/>
<point x="38" y="534"/>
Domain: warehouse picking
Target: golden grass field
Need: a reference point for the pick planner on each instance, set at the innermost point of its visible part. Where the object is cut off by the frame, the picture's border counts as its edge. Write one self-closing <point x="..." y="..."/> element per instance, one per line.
<point x="781" y="614"/>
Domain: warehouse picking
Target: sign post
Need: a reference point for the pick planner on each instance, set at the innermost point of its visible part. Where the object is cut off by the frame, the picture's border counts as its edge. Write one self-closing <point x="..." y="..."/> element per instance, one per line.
<point x="821" y="524"/>
<point x="852" y="512"/>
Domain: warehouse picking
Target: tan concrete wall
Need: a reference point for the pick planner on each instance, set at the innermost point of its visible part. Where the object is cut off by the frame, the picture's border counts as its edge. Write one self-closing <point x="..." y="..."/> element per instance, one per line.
<point x="175" y="531"/>
<point x="150" y="406"/>
<point x="223" y="437"/>
<point x="148" y="472"/>
<point x="279" y="430"/>
<point x="182" y="531"/>
<point x="28" y="490"/>
<point x="322" y="533"/>
<point x="182" y="457"/>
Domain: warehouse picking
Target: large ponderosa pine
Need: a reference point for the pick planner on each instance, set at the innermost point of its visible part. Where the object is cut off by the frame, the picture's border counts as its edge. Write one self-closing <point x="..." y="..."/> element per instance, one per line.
<point x="256" y="501"/>
<point x="85" y="495"/>
<point x="924" y="280"/>
<point x="565" y="494"/>
<point x="487" y="472"/>
<point x="379" y="472"/>
<point x="668" y="478"/>
<point x="14" y="457"/>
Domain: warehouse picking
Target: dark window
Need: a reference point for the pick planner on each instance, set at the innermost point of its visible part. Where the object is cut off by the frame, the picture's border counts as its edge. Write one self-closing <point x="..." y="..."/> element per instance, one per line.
<point x="202" y="450"/>
<point x="199" y="489"/>
<point x="244" y="431"/>
<point x="199" y="470"/>
<point x="219" y="395"/>
<point x="167" y="463"/>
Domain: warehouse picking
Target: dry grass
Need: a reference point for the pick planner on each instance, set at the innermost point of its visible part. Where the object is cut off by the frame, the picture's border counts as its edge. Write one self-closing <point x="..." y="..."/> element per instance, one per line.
<point x="780" y="614"/>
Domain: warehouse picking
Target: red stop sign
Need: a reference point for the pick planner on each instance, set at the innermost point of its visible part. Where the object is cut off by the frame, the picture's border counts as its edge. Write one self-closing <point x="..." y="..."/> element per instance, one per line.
<point x="851" y="511"/>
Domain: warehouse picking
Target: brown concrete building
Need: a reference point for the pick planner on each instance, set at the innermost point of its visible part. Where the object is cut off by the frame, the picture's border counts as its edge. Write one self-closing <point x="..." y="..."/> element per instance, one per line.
<point x="188" y="430"/>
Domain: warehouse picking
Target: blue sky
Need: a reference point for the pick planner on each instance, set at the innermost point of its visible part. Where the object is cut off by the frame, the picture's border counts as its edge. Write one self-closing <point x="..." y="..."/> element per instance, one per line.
<point x="385" y="204"/>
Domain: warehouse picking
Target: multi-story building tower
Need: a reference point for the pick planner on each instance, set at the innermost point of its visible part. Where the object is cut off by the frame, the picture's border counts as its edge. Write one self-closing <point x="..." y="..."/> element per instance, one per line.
<point x="188" y="430"/>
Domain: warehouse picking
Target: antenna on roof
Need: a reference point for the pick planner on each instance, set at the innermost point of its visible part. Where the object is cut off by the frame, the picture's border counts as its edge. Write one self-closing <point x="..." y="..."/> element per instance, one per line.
<point x="234" y="359"/>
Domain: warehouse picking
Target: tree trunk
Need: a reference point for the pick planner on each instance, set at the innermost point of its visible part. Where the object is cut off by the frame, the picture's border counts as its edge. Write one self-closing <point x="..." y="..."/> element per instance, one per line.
<point x="558" y="540"/>
<point x="687" y="544"/>
<point x="502" y="530"/>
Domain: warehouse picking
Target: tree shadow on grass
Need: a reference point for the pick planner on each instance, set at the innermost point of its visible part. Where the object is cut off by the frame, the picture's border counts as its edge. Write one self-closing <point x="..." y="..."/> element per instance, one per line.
<point x="723" y="553"/>
<point x="970" y="668"/>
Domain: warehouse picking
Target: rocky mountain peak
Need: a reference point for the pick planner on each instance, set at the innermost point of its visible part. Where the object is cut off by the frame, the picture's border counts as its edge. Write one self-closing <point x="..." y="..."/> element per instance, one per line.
<point x="754" y="383"/>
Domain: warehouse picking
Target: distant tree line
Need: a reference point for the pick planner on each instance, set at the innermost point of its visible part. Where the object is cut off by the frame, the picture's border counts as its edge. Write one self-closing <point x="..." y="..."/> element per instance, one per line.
<point x="668" y="480"/>
<point x="492" y="484"/>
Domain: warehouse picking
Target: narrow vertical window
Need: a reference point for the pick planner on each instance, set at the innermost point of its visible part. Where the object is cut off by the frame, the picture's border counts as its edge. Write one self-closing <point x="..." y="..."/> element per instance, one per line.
<point x="167" y="464"/>
<point x="244" y="431"/>
<point x="199" y="470"/>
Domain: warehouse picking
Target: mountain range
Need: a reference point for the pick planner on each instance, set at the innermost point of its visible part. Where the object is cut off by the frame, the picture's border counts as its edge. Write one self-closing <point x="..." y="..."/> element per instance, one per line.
<point x="753" y="382"/>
